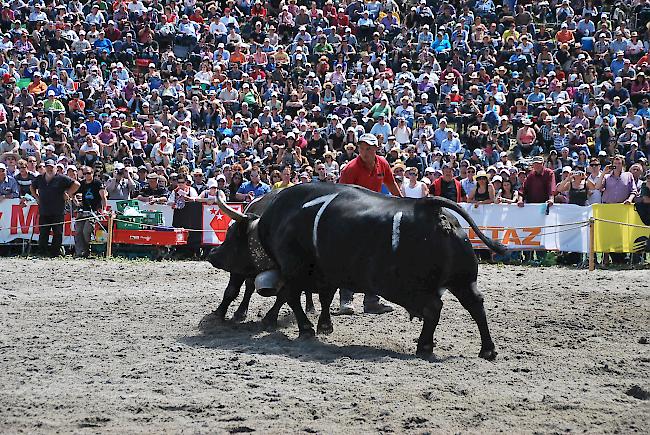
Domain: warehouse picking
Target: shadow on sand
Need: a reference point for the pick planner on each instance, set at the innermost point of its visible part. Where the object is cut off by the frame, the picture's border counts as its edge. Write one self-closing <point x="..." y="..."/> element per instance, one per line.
<point x="251" y="338"/>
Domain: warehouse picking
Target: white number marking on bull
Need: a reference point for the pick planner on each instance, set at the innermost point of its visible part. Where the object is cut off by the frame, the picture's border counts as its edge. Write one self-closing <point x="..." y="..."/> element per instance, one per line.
<point x="397" y="220"/>
<point x="325" y="200"/>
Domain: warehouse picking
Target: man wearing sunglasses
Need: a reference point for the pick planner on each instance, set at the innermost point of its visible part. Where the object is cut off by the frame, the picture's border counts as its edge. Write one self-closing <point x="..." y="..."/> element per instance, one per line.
<point x="91" y="198"/>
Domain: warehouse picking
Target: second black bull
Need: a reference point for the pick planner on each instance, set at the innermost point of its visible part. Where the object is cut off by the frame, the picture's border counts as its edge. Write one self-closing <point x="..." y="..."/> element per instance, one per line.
<point x="235" y="281"/>
<point x="326" y="236"/>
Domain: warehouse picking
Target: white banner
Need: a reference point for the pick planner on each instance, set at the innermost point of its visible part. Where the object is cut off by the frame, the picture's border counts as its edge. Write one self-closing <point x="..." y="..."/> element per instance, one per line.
<point x="529" y="227"/>
<point x="526" y="227"/>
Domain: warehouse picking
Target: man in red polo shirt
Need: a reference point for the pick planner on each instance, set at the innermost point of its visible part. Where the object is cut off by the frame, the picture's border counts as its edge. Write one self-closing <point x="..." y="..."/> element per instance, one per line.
<point x="370" y="171"/>
<point x="538" y="188"/>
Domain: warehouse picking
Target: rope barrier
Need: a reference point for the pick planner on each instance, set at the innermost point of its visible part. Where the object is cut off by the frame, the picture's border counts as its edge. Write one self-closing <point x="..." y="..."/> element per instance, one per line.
<point x="536" y="226"/>
<point x="622" y="223"/>
<point x="48" y="225"/>
<point x="157" y="226"/>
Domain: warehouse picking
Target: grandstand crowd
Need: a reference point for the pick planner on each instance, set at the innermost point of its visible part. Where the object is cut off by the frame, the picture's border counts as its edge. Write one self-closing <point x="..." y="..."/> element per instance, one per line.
<point x="171" y="101"/>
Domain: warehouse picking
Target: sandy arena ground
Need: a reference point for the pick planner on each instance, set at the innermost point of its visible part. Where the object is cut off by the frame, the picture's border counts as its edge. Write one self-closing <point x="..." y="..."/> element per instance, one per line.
<point x="115" y="347"/>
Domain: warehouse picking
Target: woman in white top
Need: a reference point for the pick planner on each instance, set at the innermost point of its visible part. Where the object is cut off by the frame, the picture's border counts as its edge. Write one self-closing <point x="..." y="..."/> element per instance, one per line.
<point x="331" y="166"/>
<point x="595" y="174"/>
<point x="402" y="133"/>
<point x="411" y="187"/>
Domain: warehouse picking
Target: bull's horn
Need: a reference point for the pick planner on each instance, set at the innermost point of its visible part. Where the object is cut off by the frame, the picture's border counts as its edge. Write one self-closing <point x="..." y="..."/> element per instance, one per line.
<point x="227" y="210"/>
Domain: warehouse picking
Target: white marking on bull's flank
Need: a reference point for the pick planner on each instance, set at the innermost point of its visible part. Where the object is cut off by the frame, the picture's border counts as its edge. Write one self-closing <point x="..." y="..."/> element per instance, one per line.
<point x="325" y="200"/>
<point x="397" y="220"/>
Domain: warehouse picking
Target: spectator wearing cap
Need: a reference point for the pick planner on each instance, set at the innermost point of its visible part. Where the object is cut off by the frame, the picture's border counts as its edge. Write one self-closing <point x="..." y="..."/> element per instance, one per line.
<point x="634" y="155"/>
<point x="153" y="192"/>
<point x="9" y="188"/>
<point x="37" y="87"/>
<point x="198" y="180"/>
<point x="51" y="191"/>
<point x="31" y="147"/>
<point x="618" y="91"/>
<point x="628" y="137"/>
<point x="372" y="172"/>
<point x="539" y="185"/>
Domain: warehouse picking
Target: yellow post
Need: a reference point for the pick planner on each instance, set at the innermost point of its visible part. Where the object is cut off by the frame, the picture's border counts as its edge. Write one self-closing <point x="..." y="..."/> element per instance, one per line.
<point x="109" y="238"/>
<point x="592" y="238"/>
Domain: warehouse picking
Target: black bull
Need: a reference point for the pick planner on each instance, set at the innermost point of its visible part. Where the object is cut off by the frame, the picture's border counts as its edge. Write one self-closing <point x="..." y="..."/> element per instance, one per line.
<point x="236" y="280"/>
<point x="326" y="236"/>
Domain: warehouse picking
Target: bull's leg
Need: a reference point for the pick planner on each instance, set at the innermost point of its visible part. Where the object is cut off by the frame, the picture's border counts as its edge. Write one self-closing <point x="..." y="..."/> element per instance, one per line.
<point x="472" y="300"/>
<point x="270" y="320"/>
<point x="309" y="302"/>
<point x="431" y="316"/>
<point x="229" y="295"/>
<point x="305" y="327"/>
<point x="325" y="320"/>
<point x="242" y="311"/>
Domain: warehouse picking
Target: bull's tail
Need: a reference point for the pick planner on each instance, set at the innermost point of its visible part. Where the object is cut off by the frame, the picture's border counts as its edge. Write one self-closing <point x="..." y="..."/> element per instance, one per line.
<point x="494" y="245"/>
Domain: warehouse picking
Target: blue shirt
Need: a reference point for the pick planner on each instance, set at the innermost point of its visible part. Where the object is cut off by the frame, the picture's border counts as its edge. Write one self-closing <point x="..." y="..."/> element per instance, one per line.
<point x="9" y="187"/>
<point x="259" y="190"/>
<point x="94" y="127"/>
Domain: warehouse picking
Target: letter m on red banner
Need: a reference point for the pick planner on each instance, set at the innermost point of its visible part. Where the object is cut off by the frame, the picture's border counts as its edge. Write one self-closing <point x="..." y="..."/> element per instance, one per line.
<point x="24" y="218"/>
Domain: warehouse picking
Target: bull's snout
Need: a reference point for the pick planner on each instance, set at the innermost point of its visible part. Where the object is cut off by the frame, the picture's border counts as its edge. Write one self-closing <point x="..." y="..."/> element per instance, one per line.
<point x="268" y="282"/>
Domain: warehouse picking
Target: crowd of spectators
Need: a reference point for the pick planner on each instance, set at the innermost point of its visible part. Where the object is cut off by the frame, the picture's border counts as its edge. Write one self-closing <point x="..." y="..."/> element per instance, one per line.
<point x="170" y="101"/>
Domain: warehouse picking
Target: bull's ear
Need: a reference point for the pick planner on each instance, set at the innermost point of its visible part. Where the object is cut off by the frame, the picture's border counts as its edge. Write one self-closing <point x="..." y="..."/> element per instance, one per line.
<point x="229" y="211"/>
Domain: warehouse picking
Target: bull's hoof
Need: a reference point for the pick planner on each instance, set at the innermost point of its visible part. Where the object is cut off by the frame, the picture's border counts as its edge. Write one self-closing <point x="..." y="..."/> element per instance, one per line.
<point x="325" y="328"/>
<point x="488" y="354"/>
<point x="270" y="324"/>
<point x="239" y="316"/>
<point x="306" y="334"/>
<point x="424" y="350"/>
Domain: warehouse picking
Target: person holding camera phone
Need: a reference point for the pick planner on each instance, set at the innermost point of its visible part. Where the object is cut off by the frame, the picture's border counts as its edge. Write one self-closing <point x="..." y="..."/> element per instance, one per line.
<point x="120" y="185"/>
<point x="576" y="187"/>
<point x="617" y="185"/>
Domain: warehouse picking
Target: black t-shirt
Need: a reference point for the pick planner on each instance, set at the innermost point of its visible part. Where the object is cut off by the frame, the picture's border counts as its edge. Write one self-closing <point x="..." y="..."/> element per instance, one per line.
<point x="90" y="199"/>
<point x="448" y="190"/>
<point x="24" y="183"/>
<point x="157" y="192"/>
<point x="52" y="200"/>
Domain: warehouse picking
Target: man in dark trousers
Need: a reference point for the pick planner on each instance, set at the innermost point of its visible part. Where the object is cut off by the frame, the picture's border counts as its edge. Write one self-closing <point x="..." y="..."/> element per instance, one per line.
<point x="370" y="171"/>
<point x="91" y="198"/>
<point x="51" y="191"/>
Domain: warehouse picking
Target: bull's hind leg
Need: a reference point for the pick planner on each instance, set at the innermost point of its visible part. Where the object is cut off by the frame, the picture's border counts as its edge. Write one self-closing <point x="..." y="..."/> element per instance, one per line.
<point x="431" y="316"/>
<point x="229" y="295"/>
<point x="242" y="311"/>
<point x="325" y="320"/>
<point x="472" y="300"/>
